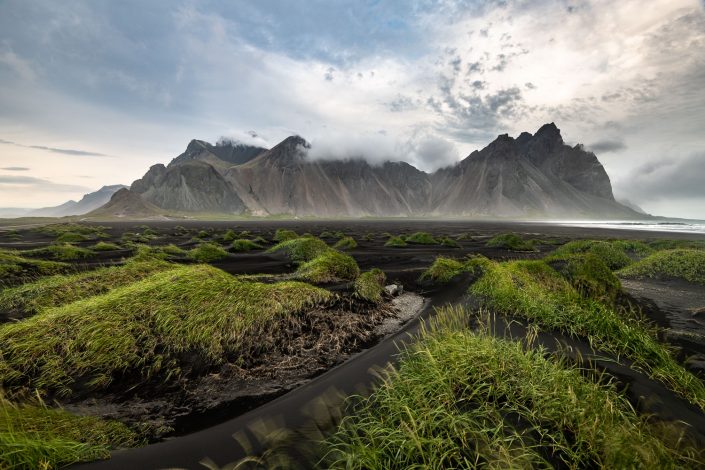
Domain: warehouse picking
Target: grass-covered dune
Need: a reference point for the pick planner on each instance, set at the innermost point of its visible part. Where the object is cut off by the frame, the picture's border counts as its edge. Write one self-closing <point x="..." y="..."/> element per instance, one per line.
<point x="16" y="269"/>
<point x="465" y="399"/>
<point x="54" y="291"/>
<point x="686" y="264"/>
<point x="35" y="437"/>
<point x="511" y="241"/>
<point x="159" y="327"/>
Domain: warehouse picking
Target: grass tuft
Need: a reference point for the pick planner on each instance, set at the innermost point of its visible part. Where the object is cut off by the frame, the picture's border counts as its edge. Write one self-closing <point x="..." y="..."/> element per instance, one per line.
<point x="395" y="242"/>
<point x="160" y="329"/>
<point x="345" y="243"/>
<point x="446" y="241"/>
<point x="207" y="252"/>
<point x="329" y="266"/>
<point x="301" y="249"/>
<point x="687" y="264"/>
<point x="421" y="238"/>
<point x="60" y="252"/>
<point x="511" y="241"/>
<point x="282" y="235"/>
<point x="370" y="285"/>
<point x="444" y="269"/>
<point x="242" y="244"/>
<point x="105" y="246"/>
<point x="614" y="255"/>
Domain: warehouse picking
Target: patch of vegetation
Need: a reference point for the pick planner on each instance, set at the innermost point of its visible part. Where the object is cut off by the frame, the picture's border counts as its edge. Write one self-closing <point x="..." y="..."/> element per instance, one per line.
<point x="229" y="236"/>
<point x="611" y="253"/>
<point x="421" y="238"/>
<point x="675" y="244"/>
<point x="58" y="290"/>
<point x="368" y="237"/>
<point x="444" y="269"/>
<point x="202" y="234"/>
<point x="370" y="285"/>
<point x="446" y="241"/>
<point x="395" y="242"/>
<point x="301" y="249"/>
<point x="16" y="269"/>
<point x="207" y="252"/>
<point x="62" y="252"/>
<point x="105" y="246"/>
<point x="71" y="237"/>
<point x="463" y="399"/>
<point x="131" y="237"/>
<point x="325" y="234"/>
<point x="535" y="291"/>
<point x="338" y="234"/>
<point x="58" y="230"/>
<point x="282" y="235"/>
<point x="345" y="243"/>
<point x="34" y="436"/>
<point x="329" y="266"/>
<point x="687" y="264"/>
<point x="158" y="329"/>
<point x="244" y="244"/>
<point x="511" y="241"/>
<point x="589" y="275"/>
<point x="260" y="240"/>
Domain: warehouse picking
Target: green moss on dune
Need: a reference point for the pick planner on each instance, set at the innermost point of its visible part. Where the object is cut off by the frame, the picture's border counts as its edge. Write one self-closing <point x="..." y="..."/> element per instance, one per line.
<point x="301" y="249"/>
<point x="686" y="264"/>
<point x="421" y="238"/>
<point x="148" y="330"/>
<point x="243" y="244"/>
<point x="282" y="235"/>
<point x="370" y="285"/>
<point x="345" y="243"/>
<point x="511" y="241"/>
<point x="60" y="252"/>
<point x="207" y="253"/>
<point x="329" y="266"/>
<point x="395" y="242"/>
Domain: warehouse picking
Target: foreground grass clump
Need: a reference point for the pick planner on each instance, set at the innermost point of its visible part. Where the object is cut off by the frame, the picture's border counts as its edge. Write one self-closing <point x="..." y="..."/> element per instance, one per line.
<point x="395" y="242"/>
<point x="207" y="252"/>
<point x="33" y="436"/>
<point x="511" y="241"/>
<point x="57" y="290"/>
<point x="16" y="269"/>
<point x="345" y="243"/>
<point x="444" y="269"/>
<point x="282" y="235"/>
<point x="61" y="252"/>
<point x="301" y="249"/>
<point x="157" y="329"/>
<point x="535" y="291"/>
<point x="243" y="244"/>
<point x="329" y="266"/>
<point x="681" y="264"/>
<point x="421" y="238"/>
<point x="105" y="246"/>
<point x="588" y="274"/>
<point x="370" y="285"/>
<point x="613" y="254"/>
<point x="463" y="399"/>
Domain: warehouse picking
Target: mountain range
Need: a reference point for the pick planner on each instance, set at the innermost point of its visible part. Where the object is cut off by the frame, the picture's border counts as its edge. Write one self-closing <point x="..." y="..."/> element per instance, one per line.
<point x="530" y="176"/>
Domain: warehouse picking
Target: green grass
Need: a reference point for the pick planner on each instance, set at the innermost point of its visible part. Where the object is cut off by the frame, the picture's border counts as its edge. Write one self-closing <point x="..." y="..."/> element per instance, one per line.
<point x="421" y="238"/>
<point x="105" y="246"/>
<point x="282" y="235"/>
<point x="370" y="285"/>
<point x="345" y="243"/>
<point x="446" y="241"/>
<point x="588" y="274"/>
<point x="675" y="244"/>
<point x="229" y="236"/>
<point x="329" y="266"/>
<point x="17" y="269"/>
<point x="54" y="291"/>
<point x="71" y="237"/>
<point x="687" y="264"/>
<point x="243" y="244"/>
<point x="444" y="269"/>
<point x="36" y="437"/>
<point x="62" y="252"/>
<point x="463" y="399"/>
<point x="148" y="330"/>
<point x="82" y="229"/>
<point x="301" y="249"/>
<point x="613" y="254"/>
<point x="535" y="291"/>
<point x="395" y="242"/>
<point x="325" y="234"/>
<point x="511" y="241"/>
<point x="207" y="252"/>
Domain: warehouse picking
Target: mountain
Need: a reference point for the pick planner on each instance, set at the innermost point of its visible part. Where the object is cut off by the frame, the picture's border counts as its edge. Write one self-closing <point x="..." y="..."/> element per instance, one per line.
<point x="88" y="202"/>
<point x="531" y="176"/>
<point x="126" y="203"/>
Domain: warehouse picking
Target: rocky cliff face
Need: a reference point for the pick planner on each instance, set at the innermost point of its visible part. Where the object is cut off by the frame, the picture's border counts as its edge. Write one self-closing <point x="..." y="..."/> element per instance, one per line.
<point x="531" y="176"/>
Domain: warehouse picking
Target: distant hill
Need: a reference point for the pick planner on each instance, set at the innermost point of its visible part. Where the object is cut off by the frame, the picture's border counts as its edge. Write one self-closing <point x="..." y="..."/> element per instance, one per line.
<point x="531" y="176"/>
<point x="126" y="203"/>
<point x="88" y="202"/>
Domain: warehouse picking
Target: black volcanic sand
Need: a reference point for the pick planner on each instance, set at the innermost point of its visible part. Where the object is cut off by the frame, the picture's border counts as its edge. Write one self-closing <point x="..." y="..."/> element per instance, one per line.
<point x="207" y="414"/>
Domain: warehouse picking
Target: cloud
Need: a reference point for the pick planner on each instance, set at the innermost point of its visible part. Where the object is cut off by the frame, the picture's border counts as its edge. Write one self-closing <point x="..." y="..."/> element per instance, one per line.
<point x="73" y="152"/>
<point x="15" y="168"/>
<point x="672" y="178"/>
<point x="8" y="182"/>
<point x="21" y="67"/>
<point x="607" y="146"/>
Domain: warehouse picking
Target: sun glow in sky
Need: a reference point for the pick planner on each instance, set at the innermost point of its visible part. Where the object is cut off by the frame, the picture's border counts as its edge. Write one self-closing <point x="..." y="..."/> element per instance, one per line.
<point x="94" y="92"/>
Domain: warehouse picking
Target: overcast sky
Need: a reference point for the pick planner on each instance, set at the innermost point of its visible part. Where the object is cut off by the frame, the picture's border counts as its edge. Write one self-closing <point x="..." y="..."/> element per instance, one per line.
<point x="94" y="92"/>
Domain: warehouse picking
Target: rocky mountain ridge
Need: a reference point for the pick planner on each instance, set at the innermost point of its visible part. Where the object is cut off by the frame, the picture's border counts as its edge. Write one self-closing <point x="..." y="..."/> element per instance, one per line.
<point x="531" y="176"/>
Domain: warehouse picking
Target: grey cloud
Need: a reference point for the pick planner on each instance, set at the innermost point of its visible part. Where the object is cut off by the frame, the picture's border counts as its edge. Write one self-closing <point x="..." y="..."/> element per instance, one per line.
<point x="666" y="179"/>
<point x="329" y="74"/>
<point x="15" y="168"/>
<point x="39" y="184"/>
<point x="401" y="103"/>
<point x="80" y="153"/>
<point x="530" y="85"/>
<point x="9" y="142"/>
<point x="607" y="146"/>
